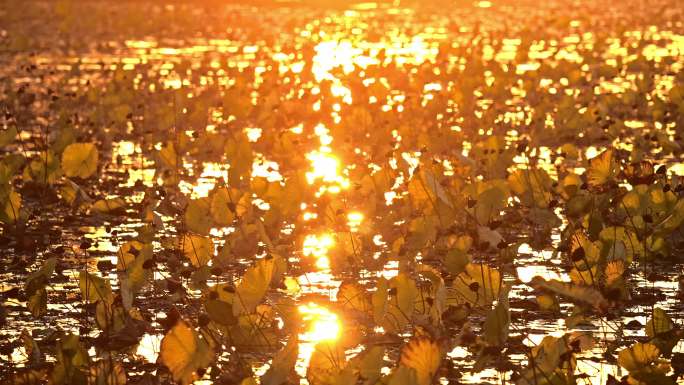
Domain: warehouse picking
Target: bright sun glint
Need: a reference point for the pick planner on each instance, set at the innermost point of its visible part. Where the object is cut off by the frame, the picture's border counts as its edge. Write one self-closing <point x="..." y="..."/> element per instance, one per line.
<point x="325" y="167"/>
<point x="318" y="246"/>
<point x="354" y="220"/>
<point x="323" y="324"/>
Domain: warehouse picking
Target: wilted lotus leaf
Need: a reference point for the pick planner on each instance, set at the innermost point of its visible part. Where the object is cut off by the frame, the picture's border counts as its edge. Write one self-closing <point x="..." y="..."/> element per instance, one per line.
<point x="576" y="293"/>
<point x="73" y="194"/>
<point x="327" y="364"/>
<point x="369" y="363"/>
<point x="456" y="261"/>
<point x="552" y="363"/>
<point x="570" y="185"/>
<point x="31" y="348"/>
<point x="640" y="173"/>
<point x="224" y="206"/>
<point x="674" y="220"/>
<point x="37" y="302"/>
<point x="11" y="206"/>
<point x="531" y="186"/>
<point x="282" y="366"/>
<point x="478" y="285"/>
<point x="424" y="356"/>
<point x="659" y="323"/>
<point x="496" y="155"/>
<point x="94" y="288"/>
<point x="110" y="318"/>
<point x="615" y="274"/>
<point x="488" y="198"/>
<point x="379" y="299"/>
<point x="583" y="252"/>
<point x="548" y="302"/>
<point x="432" y="298"/>
<point x="72" y="361"/>
<point x="198" y="216"/>
<point x="588" y="277"/>
<point x="426" y="191"/>
<point x="352" y="296"/>
<point x="106" y="372"/>
<point x="641" y="360"/>
<point x="184" y="352"/>
<point x="131" y="259"/>
<point x="497" y="323"/>
<point x="108" y="205"/>
<point x="253" y="286"/>
<point x="198" y="249"/>
<point x="406" y="293"/>
<point x="44" y="169"/>
<point x="602" y="169"/>
<point x="8" y="135"/>
<point x="346" y="252"/>
<point x="394" y="302"/>
<point x="240" y="156"/>
<point x="168" y="157"/>
<point x="403" y="375"/>
<point x="622" y="244"/>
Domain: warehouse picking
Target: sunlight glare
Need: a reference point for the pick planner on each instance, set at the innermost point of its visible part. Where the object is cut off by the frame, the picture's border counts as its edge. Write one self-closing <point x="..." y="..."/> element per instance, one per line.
<point x="318" y="246"/>
<point x="324" y="325"/>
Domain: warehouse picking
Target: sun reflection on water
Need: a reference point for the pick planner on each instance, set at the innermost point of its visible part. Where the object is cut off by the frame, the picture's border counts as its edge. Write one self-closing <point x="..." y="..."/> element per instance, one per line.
<point x="322" y="326"/>
<point x="317" y="246"/>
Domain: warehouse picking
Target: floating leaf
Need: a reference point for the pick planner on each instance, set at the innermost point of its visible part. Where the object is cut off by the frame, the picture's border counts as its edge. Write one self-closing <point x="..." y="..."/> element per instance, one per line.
<point x="108" y="206"/>
<point x="576" y="293"/>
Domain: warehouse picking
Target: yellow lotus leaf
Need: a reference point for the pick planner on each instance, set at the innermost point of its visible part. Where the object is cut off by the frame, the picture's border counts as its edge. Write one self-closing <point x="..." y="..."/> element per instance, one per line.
<point x="80" y="160"/>
<point x="198" y="217"/>
<point x="327" y="361"/>
<point x="94" y="288"/>
<point x="478" y="285"/>
<point x="659" y="323"/>
<point x="638" y="356"/>
<point x="184" y="353"/>
<point x="353" y="296"/>
<point x="602" y="169"/>
<point x="423" y="355"/>
<point x="198" y="249"/>
<point x="253" y="286"/>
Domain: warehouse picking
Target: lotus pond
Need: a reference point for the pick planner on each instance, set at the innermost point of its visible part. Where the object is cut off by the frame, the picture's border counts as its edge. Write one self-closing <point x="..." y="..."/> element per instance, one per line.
<point x="332" y="193"/>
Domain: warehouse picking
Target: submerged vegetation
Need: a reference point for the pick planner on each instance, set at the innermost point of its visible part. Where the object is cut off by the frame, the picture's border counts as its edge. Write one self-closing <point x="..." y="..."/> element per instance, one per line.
<point x="374" y="193"/>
